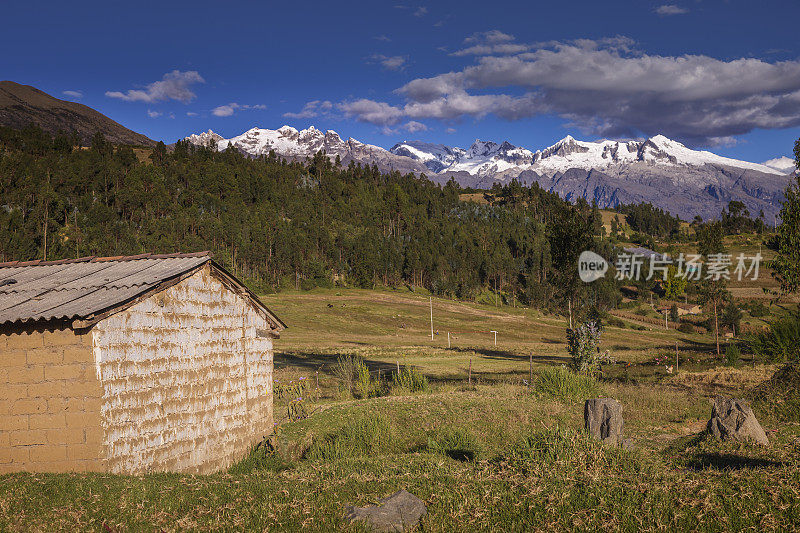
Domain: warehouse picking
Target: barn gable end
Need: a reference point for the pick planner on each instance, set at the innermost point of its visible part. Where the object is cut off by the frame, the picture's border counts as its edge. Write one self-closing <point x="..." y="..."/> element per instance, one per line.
<point x="177" y="377"/>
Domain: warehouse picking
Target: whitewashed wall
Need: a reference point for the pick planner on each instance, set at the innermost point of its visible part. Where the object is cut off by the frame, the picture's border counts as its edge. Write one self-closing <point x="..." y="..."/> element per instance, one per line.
<point x="187" y="381"/>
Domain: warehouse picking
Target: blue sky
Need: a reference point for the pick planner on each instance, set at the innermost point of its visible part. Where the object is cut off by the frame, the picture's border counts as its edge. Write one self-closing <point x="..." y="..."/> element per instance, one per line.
<point x="723" y="75"/>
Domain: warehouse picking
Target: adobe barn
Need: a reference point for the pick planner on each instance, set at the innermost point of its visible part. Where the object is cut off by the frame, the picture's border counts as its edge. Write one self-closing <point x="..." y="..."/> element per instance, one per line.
<point x="131" y="364"/>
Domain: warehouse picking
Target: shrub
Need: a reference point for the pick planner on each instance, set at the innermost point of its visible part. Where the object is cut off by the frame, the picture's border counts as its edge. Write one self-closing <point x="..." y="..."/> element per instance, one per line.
<point x="366" y="436"/>
<point x="781" y="342"/>
<point x="346" y="371"/>
<point x="758" y="309"/>
<point x="779" y="396"/>
<point x="365" y="385"/>
<point x="732" y="354"/>
<point x="560" y="382"/>
<point x="410" y="379"/>
<point x="685" y="327"/>
<point x="458" y="443"/>
<point x="584" y="347"/>
<point x="615" y="321"/>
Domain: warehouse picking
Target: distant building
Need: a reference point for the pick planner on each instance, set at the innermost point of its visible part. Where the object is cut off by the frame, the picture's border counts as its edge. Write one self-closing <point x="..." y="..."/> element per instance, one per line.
<point x="645" y="252"/>
<point x="683" y="309"/>
<point x="131" y="364"/>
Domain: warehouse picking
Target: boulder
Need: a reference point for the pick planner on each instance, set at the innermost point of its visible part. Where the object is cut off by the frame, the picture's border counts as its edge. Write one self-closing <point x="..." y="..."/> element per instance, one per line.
<point x="603" y="420"/>
<point x="399" y="512"/>
<point x="733" y="419"/>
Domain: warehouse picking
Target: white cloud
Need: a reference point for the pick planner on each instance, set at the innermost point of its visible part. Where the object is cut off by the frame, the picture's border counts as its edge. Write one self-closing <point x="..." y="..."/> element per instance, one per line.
<point x="73" y="94"/>
<point x="311" y="109"/>
<point x="378" y="113"/>
<point x="154" y="114"/>
<point x="383" y="38"/>
<point x="670" y="9"/>
<point x="173" y="86"/>
<point x="191" y="114"/>
<point x="229" y="109"/>
<point x="224" y="110"/>
<point x="421" y="11"/>
<point x="607" y="87"/>
<point x="450" y="130"/>
<point x="388" y="62"/>
<point x="413" y="126"/>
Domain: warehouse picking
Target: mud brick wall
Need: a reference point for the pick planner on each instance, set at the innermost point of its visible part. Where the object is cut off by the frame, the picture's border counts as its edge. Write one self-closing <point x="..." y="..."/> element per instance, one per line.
<point x="186" y="377"/>
<point x="50" y="402"/>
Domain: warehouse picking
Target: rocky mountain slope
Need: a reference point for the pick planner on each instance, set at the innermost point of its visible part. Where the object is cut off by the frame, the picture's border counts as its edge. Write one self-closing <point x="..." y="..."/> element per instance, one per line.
<point x="659" y="170"/>
<point x="22" y="105"/>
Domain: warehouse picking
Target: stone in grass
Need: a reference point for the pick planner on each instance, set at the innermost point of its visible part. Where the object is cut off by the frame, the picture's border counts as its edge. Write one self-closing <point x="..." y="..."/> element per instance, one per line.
<point x="733" y="419"/>
<point x="399" y="512"/>
<point x="603" y="420"/>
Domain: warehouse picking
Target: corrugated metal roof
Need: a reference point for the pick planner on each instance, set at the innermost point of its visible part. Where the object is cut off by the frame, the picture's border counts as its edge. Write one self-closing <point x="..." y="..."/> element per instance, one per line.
<point x="80" y="288"/>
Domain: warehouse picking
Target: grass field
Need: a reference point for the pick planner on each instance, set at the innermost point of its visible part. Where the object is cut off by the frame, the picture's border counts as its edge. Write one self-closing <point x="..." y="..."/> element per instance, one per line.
<point x="486" y="449"/>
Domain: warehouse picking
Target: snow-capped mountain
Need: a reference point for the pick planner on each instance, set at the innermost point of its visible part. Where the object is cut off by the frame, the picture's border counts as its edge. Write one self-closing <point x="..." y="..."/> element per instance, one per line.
<point x="486" y="158"/>
<point x="783" y="164"/>
<point x="659" y="170"/>
<point x="291" y="143"/>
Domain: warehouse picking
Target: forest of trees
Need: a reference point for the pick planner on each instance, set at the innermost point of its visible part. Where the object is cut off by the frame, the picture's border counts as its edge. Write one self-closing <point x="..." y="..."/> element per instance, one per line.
<point x="289" y="224"/>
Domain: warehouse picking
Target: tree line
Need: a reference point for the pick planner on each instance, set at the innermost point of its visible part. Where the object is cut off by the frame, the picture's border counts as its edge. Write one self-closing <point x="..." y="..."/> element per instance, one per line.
<point x="282" y="224"/>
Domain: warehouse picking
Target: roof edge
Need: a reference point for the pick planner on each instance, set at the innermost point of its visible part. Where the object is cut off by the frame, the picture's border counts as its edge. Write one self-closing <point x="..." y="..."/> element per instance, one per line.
<point x="101" y="259"/>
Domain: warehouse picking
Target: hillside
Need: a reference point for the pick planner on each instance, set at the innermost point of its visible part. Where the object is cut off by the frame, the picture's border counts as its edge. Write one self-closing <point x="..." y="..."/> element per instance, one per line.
<point x="23" y="105"/>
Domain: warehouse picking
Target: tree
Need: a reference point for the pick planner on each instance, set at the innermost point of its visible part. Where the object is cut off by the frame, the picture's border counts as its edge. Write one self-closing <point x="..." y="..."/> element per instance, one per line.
<point x="713" y="292"/>
<point x="673" y="313"/>
<point x="786" y="267"/>
<point x="732" y="317"/>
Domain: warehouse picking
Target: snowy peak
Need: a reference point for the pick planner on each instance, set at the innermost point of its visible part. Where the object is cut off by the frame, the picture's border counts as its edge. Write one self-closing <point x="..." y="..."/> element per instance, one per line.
<point x="785" y="165"/>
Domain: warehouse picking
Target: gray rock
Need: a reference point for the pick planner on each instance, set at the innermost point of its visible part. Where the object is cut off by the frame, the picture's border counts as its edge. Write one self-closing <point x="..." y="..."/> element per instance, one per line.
<point x="733" y="419"/>
<point x="603" y="420"/>
<point x="399" y="512"/>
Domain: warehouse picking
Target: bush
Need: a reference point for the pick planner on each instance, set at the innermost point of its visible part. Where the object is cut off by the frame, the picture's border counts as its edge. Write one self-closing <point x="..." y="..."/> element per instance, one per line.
<point x="560" y="382"/>
<point x="781" y="342"/>
<point x="615" y="321"/>
<point x="758" y="309"/>
<point x="458" y="443"/>
<point x="369" y="436"/>
<point x="346" y="371"/>
<point x="732" y="354"/>
<point x="779" y="396"/>
<point x="685" y="327"/>
<point x="584" y="347"/>
<point x="365" y="385"/>
<point x="410" y="379"/>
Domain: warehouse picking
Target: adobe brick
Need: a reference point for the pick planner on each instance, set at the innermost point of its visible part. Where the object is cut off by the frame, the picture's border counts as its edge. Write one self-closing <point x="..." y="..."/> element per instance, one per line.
<point x="60" y="337"/>
<point x="77" y="354"/>
<point x="28" y="406"/>
<point x="20" y="454"/>
<point x="13" y="392"/>
<point x="26" y="374"/>
<point x="81" y="419"/>
<point x="67" y="372"/>
<point x="24" y="340"/>
<point x="48" y="453"/>
<point x="66" y="436"/>
<point x="53" y="389"/>
<point x="10" y="358"/>
<point x="45" y="356"/>
<point x="13" y="423"/>
<point x="82" y="452"/>
<point x="28" y="437"/>
<point x="47" y="421"/>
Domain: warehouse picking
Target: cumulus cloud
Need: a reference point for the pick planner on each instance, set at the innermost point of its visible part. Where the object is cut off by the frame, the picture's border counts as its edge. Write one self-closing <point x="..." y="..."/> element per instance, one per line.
<point x="154" y="114"/>
<point x="388" y="62"/>
<point x="413" y="126"/>
<point x="229" y="109"/>
<point x="490" y="43"/>
<point x="73" y="94"/>
<point x="606" y="87"/>
<point x="311" y="109"/>
<point x="174" y="85"/>
<point x="670" y="9"/>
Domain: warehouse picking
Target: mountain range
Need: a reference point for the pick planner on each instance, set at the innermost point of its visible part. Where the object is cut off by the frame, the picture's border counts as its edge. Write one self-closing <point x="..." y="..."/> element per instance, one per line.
<point x="659" y="170"/>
